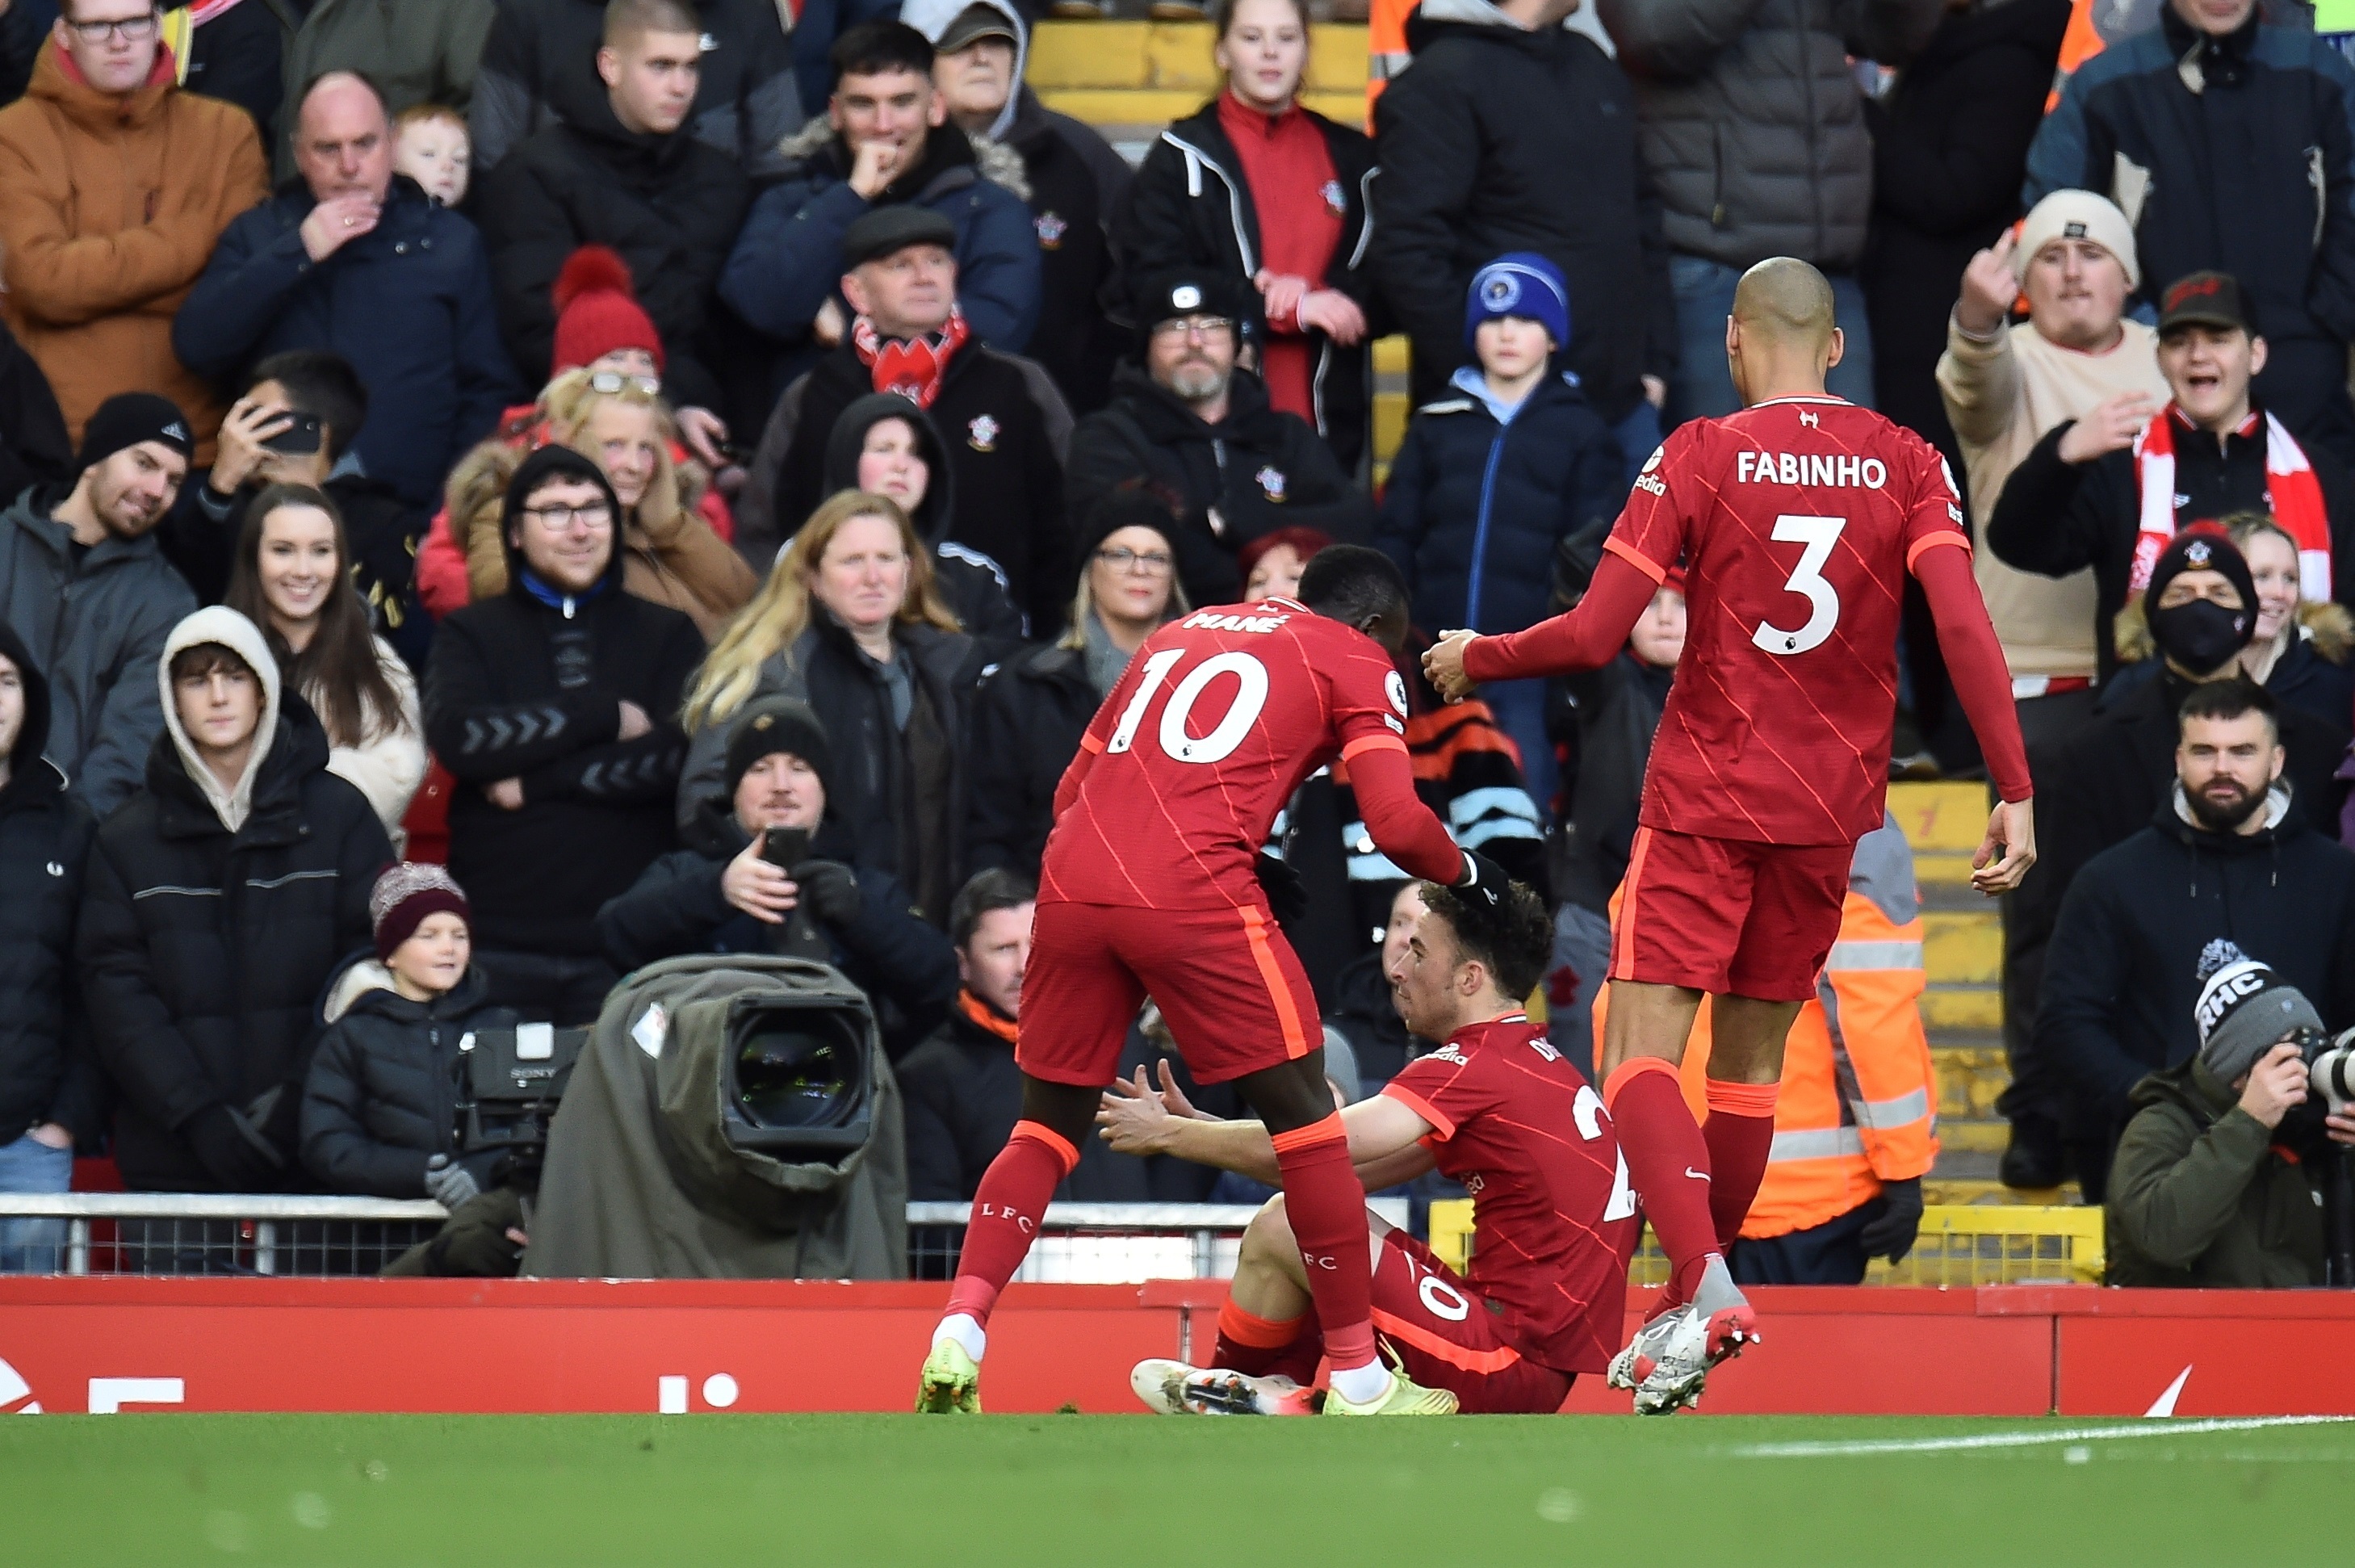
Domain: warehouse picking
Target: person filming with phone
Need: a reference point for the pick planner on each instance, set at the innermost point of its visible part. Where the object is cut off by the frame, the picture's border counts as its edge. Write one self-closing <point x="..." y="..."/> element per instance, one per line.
<point x="769" y="868"/>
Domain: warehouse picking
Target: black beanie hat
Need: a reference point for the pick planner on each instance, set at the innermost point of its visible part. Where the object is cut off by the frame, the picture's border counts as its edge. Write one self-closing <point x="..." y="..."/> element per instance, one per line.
<point x="1130" y="506"/>
<point x="127" y="419"/>
<point x="2202" y="549"/>
<point x="553" y="462"/>
<point x="1199" y="291"/>
<point x="770" y="724"/>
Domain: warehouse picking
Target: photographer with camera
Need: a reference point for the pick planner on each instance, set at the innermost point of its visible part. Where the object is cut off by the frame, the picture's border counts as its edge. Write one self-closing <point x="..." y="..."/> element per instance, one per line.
<point x="2222" y="1176"/>
<point x="2230" y="853"/>
<point x="380" y="1105"/>
<point x="769" y="868"/>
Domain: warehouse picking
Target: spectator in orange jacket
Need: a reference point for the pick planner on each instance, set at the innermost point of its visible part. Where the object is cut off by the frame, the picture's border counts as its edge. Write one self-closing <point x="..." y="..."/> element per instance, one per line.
<point x="114" y="185"/>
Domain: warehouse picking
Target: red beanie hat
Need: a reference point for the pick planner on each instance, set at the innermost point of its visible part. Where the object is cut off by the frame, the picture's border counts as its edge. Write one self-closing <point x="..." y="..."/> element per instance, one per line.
<point x="597" y="311"/>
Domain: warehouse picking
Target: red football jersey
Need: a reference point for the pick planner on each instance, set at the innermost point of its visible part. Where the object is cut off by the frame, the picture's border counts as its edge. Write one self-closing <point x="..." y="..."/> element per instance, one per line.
<point x="1796" y="522"/>
<point x="1215" y="723"/>
<point x="1554" y="1217"/>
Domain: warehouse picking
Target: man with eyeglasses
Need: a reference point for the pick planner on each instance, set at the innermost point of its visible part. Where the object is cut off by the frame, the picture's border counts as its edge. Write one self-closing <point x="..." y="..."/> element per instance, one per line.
<point x="357" y="260"/>
<point x="556" y="707"/>
<point x="1003" y="425"/>
<point x="118" y="184"/>
<point x="1192" y="417"/>
<point x="621" y="168"/>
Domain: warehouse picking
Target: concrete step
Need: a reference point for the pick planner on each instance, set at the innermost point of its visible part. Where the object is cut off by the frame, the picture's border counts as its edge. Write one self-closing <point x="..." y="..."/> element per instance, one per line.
<point x="1136" y="77"/>
<point x="1970" y="1077"/>
<point x="1986" y="1191"/>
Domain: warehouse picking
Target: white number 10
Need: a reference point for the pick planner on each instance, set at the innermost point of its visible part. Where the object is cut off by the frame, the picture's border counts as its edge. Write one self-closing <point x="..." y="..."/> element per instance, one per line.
<point x="1250" y="697"/>
<point x="1819" y="534"/>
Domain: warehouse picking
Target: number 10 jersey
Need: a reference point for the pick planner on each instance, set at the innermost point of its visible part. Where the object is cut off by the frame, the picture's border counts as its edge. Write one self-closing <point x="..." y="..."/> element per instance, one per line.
<point x="1796" y="522"/>
<point x="1217" y="720"/>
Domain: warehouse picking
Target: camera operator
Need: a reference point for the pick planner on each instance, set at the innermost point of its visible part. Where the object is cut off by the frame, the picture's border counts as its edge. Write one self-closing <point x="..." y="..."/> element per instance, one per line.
<point x="724" y="893"/>
<point x="2221" y="1176"/>
<point x="380" y="1106"/>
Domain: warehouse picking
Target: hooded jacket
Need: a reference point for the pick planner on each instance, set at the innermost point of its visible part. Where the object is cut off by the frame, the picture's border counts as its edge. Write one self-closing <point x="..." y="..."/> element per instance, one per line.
<point x="1499" y="139"/>
<point x="45" y="1072"/>
<point x="1473" y="501"/>
<point x="905" y="966"/>
<point x="409" y="303"/>
<point x="1028" y="714"/>
<point x="2203" y="1195"/>
<point x="2120" y="974"/>
<point x="382" y="1096"/>
<point x="530" y="686"/>
<point x="670" y="205"/>
<point x="788" y="260"/>
<point x="96" y="625"/>
<point x="109" y="208"/>
<point x="1261" y="468"/>
<point x="2250" y="172"/>
<point x="878" y="765"/>
<point x="1008" y="433"/>
<point x="974" y="585"/>
<point x="1192" y="207"/>
<point x="416" y="52"/>
<point x="1752" y="126"/>
<point x="537" y="71"/>
<point x="212" y="917"/>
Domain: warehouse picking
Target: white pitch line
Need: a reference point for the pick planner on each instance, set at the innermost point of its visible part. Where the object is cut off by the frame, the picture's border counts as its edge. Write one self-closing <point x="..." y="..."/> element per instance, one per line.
<point x="2157" y="1428"/>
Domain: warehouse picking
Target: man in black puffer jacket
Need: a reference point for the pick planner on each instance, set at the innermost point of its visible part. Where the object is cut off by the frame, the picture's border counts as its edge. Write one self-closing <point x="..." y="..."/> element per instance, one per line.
<point x="556" y="707"/>
<point x="1196" y="425"/>
<point x="49" y="1091"/>
<point x="621" y="168"/>
<point x="722" y="895"/>
<point x="220" y="899"/>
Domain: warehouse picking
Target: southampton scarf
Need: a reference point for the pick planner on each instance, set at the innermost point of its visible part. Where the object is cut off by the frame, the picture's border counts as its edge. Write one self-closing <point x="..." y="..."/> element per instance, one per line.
<point x="2290" y="484"/>
<point x="912" y="367"/>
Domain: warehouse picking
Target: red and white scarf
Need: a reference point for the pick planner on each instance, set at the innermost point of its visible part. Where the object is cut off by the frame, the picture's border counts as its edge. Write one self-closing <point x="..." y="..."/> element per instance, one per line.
<point x="2291" y="489"/>
<point x="912" y="367"/>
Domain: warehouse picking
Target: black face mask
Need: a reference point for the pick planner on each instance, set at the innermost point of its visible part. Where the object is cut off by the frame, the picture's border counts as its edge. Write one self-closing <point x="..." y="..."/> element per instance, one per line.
<point x="2201" y="636"/>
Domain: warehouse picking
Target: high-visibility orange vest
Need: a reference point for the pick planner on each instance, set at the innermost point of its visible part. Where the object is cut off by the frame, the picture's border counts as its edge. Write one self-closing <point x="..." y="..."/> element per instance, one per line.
<point x="1386" y="54"/>
<point x="1858" y="1104"/>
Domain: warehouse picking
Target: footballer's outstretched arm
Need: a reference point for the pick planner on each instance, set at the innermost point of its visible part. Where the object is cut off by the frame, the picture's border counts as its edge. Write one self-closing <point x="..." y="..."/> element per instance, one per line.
<point x="1982" y="680"/>
<point x="1381" y="776"/>
<point x="1385" y="1135"/>
<point x="1588" y="638"/>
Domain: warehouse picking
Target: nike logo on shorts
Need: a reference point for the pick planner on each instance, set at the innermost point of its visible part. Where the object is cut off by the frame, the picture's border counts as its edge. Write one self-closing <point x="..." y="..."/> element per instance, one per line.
<point x="1697" y="1175"/>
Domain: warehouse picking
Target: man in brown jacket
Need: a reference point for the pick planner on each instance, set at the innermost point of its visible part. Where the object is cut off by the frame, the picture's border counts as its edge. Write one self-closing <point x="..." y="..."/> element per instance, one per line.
<point x="114" y="185"/>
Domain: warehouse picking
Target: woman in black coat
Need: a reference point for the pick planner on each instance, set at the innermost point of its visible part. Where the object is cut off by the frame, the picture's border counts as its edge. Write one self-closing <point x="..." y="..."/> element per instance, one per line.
<point x="212" y="916"/>
<point x="1030" y="712"/>
<point x="1193" y="205"/>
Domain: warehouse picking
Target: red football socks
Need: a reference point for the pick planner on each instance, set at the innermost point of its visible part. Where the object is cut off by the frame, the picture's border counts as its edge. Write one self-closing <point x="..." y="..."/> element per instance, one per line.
<point x="1740" y="1134"/>
<point x="1327" y="1206"/>
<point x="1668" y="1163"/>
<point x="1259" y="1345"/>
<point x="1005" y="1214"/>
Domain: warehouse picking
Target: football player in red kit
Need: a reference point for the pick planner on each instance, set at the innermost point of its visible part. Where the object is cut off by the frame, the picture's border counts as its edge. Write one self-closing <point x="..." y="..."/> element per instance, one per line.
<point x="1497" y="1108"/>
<point x="1150" y="886"/>
<point x="1795" y="521"/>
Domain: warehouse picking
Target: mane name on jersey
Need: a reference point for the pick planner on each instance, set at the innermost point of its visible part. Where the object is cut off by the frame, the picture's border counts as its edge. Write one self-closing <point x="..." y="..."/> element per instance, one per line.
<point x="1816" y="469"/>
<point x="1211" y="621"/>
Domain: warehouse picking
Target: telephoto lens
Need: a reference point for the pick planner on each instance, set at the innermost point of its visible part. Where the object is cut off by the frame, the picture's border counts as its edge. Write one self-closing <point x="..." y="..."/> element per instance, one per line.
<point x="2331" y="1070"/>
<point x="799" y="1081"/>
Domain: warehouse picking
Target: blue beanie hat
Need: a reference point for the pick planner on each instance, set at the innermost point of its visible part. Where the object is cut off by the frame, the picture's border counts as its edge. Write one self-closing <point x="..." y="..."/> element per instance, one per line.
<point x="1522" y="284"/>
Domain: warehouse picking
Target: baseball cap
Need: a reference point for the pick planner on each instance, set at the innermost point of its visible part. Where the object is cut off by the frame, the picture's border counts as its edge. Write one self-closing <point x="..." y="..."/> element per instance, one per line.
<point x="2205" y="299"/>
<point x="975" y="22"/>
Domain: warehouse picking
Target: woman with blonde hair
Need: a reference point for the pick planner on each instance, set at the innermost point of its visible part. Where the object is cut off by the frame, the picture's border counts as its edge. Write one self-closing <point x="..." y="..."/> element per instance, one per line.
<point x="670" y="555"/>
<point x="1030" y="711"/>
<point x="850" y="622"/>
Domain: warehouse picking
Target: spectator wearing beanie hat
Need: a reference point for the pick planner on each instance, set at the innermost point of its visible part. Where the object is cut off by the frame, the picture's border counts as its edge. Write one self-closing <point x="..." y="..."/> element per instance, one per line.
<point x="377" y="1111"/>
<point x="84" y="583"/>
<point x="1495" y="479"/>
<point x="725" y="892"/>
<point x="2229" y="849"/>
<point x="2217" y="1181"/>
<point x="554" y="706"/>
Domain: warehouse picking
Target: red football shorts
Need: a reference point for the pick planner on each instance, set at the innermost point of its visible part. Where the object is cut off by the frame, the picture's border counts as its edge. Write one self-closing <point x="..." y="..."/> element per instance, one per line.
<point x="1235" y="997"/>
<point x="1729" y="916"/>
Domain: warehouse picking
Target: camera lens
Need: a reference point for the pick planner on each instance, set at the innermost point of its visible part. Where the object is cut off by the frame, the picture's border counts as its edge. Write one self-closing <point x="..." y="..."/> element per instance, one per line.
<point x="795" y="1078"/>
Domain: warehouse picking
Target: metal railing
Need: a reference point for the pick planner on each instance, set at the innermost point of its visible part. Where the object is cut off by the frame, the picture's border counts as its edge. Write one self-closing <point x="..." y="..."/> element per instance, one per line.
<point x="210" y="1234"/>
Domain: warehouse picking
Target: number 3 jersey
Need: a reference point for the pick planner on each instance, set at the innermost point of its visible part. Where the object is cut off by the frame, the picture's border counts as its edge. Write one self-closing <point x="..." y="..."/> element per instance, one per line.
<point x="1796" y="522"/>
<point x="1553" y="1215"/>
<point x="1217" y="720"/>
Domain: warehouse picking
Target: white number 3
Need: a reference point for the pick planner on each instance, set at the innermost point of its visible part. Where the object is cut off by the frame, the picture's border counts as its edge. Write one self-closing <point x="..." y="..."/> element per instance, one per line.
<point x="1819" y="534"/>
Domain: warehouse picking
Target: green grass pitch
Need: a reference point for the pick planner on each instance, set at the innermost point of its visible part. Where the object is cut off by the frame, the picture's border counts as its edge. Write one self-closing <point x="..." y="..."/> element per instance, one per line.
<point x="851" y="1490"/>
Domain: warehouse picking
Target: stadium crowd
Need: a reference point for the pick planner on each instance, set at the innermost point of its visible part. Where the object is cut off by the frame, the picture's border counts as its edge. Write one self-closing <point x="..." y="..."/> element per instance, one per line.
<point x="482" y="475"/>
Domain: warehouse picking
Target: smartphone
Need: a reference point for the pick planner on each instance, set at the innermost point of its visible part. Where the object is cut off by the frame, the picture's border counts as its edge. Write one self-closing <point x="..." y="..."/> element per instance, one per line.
<point x="300" y="439"/>
<point x="785" y="848"/>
